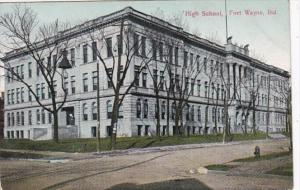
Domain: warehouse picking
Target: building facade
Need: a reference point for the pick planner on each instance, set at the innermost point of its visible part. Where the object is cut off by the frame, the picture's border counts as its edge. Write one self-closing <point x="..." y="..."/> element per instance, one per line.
<point x="2" y="115"/>
<point x="208" y="70"/>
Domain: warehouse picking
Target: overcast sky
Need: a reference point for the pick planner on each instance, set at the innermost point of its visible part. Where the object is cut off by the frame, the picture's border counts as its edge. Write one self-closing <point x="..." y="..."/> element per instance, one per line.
<point x="267" y="35"/>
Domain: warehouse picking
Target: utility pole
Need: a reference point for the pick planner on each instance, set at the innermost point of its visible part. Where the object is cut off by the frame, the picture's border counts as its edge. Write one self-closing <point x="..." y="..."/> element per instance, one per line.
<point x="268" y="107"/>
<point x="98" y="109"/>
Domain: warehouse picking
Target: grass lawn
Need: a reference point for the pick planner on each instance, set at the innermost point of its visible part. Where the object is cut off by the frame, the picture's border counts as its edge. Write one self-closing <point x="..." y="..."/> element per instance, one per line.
<point x="219" y="167"/>
<point x="89" y="145"/>
<point x="286" y="170"/>
<point x="8" y="154"/>
<point x="263" y="157"/>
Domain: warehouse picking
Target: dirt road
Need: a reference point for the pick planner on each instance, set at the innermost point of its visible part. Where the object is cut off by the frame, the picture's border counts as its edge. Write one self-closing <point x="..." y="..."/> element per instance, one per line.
<point x="90" y="171"/>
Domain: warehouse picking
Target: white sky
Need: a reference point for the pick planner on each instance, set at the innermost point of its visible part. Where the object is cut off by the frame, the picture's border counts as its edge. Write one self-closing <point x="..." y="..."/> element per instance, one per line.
<point x="268" y="36"/>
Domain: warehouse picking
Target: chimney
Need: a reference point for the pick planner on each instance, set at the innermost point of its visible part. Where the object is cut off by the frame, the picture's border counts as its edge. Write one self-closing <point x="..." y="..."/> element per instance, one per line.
<point x="246" y="48"/>
<point x="229" y="40"/>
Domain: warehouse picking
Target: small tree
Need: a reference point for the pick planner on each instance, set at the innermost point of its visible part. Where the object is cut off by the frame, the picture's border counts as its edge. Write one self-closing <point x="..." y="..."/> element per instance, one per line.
<point x="21" y="32"/>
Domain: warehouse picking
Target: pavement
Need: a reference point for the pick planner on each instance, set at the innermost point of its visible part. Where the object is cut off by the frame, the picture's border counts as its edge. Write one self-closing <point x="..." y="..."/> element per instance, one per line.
<point x="162" y="166"/>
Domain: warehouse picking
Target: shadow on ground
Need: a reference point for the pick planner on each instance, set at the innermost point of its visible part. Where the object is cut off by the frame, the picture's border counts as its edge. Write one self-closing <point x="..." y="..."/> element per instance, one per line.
<point x="180" y="184"/>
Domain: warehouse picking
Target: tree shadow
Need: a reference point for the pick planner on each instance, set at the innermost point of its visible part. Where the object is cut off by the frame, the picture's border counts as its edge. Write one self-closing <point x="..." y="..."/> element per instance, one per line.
<point x="178" y="184"/>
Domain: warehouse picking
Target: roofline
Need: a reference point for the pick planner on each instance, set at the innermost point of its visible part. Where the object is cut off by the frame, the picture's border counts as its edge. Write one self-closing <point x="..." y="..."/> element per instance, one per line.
<point x="129" y="11"/>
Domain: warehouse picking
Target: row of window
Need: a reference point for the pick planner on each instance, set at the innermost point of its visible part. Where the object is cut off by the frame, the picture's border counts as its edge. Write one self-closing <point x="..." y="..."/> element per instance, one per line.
<point x="19" y="134"/>
<point x="18" y="118"/>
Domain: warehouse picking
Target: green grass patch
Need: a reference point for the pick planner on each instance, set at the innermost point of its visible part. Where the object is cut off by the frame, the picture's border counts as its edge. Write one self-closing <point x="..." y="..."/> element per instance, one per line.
<point x="20" y="155"/>
<point x="90" y="145"/>
<point x="219" y="167"/>
<point x="286" y="170"/>
<point x="263" y="157"/>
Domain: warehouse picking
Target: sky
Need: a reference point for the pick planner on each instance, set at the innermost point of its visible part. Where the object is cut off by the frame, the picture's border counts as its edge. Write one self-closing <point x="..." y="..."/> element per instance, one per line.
<point x="268" y="35"/>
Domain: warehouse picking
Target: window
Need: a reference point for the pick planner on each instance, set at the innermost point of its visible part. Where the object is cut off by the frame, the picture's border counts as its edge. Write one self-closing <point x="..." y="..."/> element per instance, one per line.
<point x="120" y="45"/>
<point x="163" y="110"/>
<point x="95" y="82"/>
<point x="147" y="130"/>
<point x="155" y="76"/>
<point x="161" y="51"/>
<point x="43" y="90"/>
<point x="22" y="71"/>
<point x="198" y="62"/>
<point x="22" y="94"/>
<point x="173" y="110"/>
<point x="213" y="112"/>
<point x="136" y="43"/>
<point x="192" y="113"/>
<point x="29" y="117"/>
<point x="145" y="108"/>
<point x="73" y="56"/>
<point x="18" y="95"/>
<point x="49" y="117"/>
<point x="73" y="84"/>
<point x="12" y="119"/>
<point x="187" y="112"/>
<point x="66" y="86"/>
<point x="192" y="86"/>
<point x="94" y="111"/>
<point x="84" y="112"/>
<point x="18" y="118"/>
<point x="85" y="82"/>
<point x="144" y="78"/>
<point x="94" y="131"/>
<point x="54" y="60"/>
<point x="143" y="46"/>
<point x="109" y="47"/>
<point x="120" y="113"/>
<point x="22" y="118"/>
<point x="43" y="117"/>
<point x="206" y="89"/>
<point x="8" y="97"/>
<point x="38" y="116"/>
<point x="109" y="109"/>
<point x="12" y="96"/>
<point x="185" y="59"/>
<point x="38" y="93"/>
<point x="154" y="50"/>
<point x="199" y="113"/>
<point x="136" y="75"/>
<point x="29" y="69"/>
<point x="199" y="87"/>
<point x="85" y="53"/>
<point x="186" y="85"/>
<point x="8" y="119"/>
<point x="109" y="82"/>
<point x="191" y="59"/>
<point x="176" y="55"/>
<point x="139" y="130"/>
<point x="170" y="54"/>
<point x="162" y="80"/>
<point x="94" y="49"/>
<point x="138" y="108"/>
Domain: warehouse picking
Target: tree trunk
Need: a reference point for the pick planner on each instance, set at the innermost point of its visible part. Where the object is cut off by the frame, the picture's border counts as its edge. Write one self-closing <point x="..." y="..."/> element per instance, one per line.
<point x="157" y="114"/>
<point x="55" y="126"/>
<point x="114" y="122"/>
<point x="168" y="115"/>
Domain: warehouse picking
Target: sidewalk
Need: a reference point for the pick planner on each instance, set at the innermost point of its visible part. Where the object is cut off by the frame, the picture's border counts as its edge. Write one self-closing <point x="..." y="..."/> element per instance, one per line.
<point x="93" y="155"/>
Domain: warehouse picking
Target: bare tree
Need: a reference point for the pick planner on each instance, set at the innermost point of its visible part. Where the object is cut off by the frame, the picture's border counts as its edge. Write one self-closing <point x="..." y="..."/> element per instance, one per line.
<point x="127" y="53"/>
<point x="21" y="32"/>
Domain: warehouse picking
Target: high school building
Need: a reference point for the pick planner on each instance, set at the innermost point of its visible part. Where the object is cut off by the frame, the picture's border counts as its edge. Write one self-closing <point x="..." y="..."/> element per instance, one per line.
<point x="243" y="75"/>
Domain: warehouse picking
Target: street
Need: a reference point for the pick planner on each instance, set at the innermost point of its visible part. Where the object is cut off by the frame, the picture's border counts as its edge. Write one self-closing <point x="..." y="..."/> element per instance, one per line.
<point x="134" y="169"/>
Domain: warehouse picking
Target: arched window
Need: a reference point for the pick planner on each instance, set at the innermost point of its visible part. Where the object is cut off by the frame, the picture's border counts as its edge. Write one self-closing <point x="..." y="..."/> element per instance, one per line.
<point x="173" y="110"/>
<point x="109" y="109"/>
<point x="121" y="111"/>
<point x="145" y="108"/>
<point x="199" y="113"/>
<point x="163" y="110"/>
<point x="94" y="111"/>
<point x="213" y="111"/>
<point x="138" y="108"/>
<point x="84" y="112"/>
<point x="29" y="117"/>
<point x="206" y="113"/>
